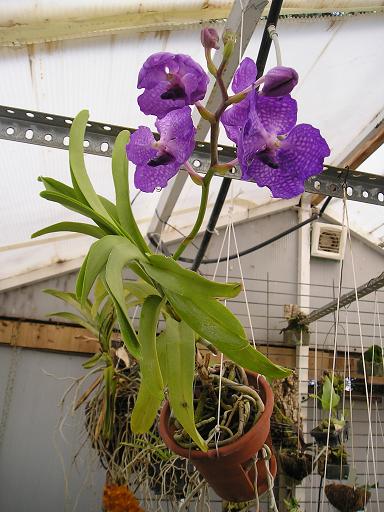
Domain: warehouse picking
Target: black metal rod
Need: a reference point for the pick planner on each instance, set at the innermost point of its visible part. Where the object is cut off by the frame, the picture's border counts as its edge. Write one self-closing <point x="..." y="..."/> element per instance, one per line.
<point x="154" y="239"/>
<point x="220" y="200"/>
<point x="261" y="61"/>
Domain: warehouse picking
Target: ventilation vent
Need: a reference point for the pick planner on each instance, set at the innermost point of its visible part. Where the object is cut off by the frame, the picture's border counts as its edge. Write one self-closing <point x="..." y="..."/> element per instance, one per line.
<point x="328" y="241"/>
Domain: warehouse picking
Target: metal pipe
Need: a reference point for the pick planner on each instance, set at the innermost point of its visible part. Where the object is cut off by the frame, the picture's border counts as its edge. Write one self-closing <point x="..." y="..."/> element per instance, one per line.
<point x="346" y="299"/>
<point x="261" y="61"/>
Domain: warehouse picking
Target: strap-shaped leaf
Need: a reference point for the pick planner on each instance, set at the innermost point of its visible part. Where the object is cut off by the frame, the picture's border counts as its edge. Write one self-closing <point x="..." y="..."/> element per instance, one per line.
<point x="139" y="271"/>
<point x="172" y="276"/>
<point x="121" y="255"/>
<point x="139" y="289"/>
<point x="76" y="319"/>
<point x="94" y="263"/>
<point x="53" y="185"/>
<point x="150" y="393"/>
<point x="100" y="293"/>
<point x="121" y="182"/>
<point x="74" y="227"/>
<point x="71" y="299"/>
<point x="176" y="348"/>
<point x="128" y="334"/>
<point x="77" y="164"/>
<point x="76" y="206"/>
<point x="215" y="323"/>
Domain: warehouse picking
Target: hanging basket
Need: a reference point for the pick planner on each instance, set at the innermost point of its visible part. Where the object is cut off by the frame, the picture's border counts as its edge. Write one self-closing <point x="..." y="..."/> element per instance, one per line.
<point x="229" y="470"/>
<point x="334" y="439"/>
<point x="371" y="368"/>
<point x="296" y="465"/>
<point x="334" y="471"/>
<point x="347" y="498"/>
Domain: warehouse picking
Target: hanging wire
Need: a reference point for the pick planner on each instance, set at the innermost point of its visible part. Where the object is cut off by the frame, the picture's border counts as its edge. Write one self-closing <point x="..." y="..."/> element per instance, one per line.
<point x="350" y="387"/>
<point x="339" y="292"/>
<point x="362" y="352"/>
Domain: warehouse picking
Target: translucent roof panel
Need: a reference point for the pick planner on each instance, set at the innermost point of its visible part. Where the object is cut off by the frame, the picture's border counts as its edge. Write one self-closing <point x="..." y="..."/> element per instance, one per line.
<point x="339" y="61"/>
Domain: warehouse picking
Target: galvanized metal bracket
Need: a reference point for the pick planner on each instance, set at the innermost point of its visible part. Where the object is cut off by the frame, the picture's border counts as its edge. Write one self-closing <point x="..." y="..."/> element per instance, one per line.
<point x="52" y="131"/>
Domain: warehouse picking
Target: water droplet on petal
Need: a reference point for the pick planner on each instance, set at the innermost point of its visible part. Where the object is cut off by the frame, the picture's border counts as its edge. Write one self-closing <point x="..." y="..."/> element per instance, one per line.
<point x="158" y="189"/>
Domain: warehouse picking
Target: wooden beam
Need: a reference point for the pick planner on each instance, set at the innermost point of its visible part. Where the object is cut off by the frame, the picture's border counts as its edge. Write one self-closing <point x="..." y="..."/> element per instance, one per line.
<point x="47" y="336"/>
<point x="72" y="339"/>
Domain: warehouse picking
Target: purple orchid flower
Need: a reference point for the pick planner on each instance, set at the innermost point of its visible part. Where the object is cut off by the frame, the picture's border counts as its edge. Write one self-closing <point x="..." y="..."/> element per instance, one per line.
<point x="278" y="81"/>
<point x="273" y="152"/>
<point x="157" y="161"/>
<point x="170" y="82"/>
<point x="235" y="117"/>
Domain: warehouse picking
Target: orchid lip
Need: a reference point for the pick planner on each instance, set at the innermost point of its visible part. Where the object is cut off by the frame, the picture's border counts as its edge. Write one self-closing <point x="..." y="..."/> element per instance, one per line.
<point x="175" y="92"/>
<point x="163" y="159"/>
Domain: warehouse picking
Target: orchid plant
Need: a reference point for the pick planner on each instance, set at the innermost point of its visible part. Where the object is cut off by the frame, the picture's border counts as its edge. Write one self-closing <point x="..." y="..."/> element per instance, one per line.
<point x="272" y="151"/>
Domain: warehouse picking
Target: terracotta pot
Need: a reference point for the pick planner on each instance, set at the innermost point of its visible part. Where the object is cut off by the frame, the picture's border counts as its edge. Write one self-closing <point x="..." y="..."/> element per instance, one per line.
<point x="229" y="470"/>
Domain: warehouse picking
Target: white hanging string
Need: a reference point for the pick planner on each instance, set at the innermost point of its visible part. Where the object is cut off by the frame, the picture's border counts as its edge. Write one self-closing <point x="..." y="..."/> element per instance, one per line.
<point x="362" y="353"/>
<point x="314" y="416"/>
<point x="340" y="277"/>
<point x="350" y="386"/>
<point x="371" y="389"/>
<point x="244" y="287"/>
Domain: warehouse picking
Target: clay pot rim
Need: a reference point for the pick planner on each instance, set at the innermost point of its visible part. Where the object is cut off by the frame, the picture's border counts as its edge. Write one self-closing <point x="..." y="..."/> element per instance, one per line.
<point x="229" y="448"/>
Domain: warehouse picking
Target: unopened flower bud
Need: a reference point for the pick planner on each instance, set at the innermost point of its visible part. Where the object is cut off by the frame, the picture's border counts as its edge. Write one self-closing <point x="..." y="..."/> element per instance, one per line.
<point x="229" y="40"/>
<point x="279" y="81"/>
<point x="210" y="38"/>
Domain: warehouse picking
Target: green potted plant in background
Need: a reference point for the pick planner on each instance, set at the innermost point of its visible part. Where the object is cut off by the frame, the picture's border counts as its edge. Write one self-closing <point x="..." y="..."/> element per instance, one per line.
<point x="336" y="459"/>
<point x="331" y="430"/>
<point x="374" y="364"/>
<point x="295" y="457"/>
<point x="297" y="331"/>
<point x="171" y="366"/>
<point x="292" y="505"/>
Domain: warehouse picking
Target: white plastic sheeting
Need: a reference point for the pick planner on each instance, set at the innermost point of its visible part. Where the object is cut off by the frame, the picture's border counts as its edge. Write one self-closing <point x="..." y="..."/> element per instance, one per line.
<point x="339" y="61"/>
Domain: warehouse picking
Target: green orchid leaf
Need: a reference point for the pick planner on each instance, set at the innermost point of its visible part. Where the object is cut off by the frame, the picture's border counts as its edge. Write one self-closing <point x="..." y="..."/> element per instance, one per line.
<point x="215" y="323"/>
<point x="139" y="289"/>
<point x="76" y="319"/>
<point x="100" y="293"/>
<point x="121" y="182"/>
<point x="74" y="227"/>
<point x="80" y="177"/>
<point x="177" y="362"/>
<point x="329" y="398"/>
<point x="139" y="271"/>
<point x="175" y="278"/>
<point x="128" y="334"/>
<point x="52" y="185"/>
<point x="90" y="363"/>
<point x="110" y="207"/>
<point x="150" y="393"/>
<point x="71" y="299"/>
<point x="95" y="262"/>
<point x="76" y="206"/>
<point x="119" y="257"/>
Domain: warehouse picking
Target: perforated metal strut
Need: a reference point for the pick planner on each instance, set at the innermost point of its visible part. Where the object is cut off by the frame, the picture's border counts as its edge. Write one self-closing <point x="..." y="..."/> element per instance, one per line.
<point x="52" y="131"/>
